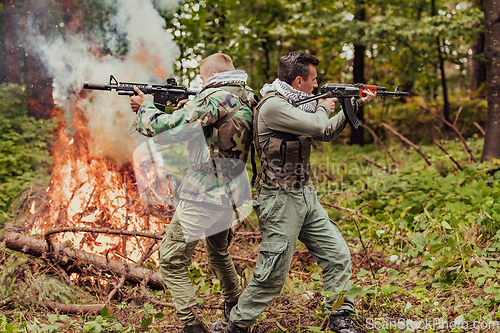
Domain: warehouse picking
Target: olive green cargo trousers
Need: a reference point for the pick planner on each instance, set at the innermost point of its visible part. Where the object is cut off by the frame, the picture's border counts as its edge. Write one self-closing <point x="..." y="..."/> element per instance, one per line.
<point x="190" y="221"/>
<point x="285" y="217"/>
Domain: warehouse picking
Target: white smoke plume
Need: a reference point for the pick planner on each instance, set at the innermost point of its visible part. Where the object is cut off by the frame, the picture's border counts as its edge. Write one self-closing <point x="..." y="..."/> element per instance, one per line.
<point x="72" y="59"/>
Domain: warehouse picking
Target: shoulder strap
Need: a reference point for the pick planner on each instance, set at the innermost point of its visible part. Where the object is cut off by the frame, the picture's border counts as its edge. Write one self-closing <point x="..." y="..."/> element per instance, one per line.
<point x="256" y="116"/>
<point x="231" y="111"/>
<point x="257" y="177"/>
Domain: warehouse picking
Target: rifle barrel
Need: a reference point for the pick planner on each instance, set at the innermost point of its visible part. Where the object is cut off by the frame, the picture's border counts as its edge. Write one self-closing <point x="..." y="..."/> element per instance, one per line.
<point x="393" y="93"/>
<point x="96" y="85"/>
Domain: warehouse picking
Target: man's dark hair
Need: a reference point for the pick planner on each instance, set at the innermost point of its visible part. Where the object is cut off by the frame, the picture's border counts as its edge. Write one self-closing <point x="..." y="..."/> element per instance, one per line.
<point x="295" y="64"/>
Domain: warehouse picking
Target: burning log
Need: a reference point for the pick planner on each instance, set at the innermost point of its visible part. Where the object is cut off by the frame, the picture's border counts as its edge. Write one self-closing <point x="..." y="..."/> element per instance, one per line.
<point x="65" y="256"/>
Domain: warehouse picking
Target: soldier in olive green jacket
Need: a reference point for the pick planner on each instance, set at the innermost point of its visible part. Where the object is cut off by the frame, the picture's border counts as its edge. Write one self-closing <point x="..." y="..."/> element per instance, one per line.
<point x="287" y="207"/>
<point x="223" y="108"/>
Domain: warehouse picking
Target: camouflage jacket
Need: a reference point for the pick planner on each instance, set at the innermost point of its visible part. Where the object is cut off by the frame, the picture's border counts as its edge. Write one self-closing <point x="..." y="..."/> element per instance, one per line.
<point x="216" y="175"/>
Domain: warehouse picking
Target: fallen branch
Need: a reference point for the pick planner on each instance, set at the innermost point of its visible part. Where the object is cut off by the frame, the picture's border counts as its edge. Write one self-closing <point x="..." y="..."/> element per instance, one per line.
<point x="376" y="138"/>
<point x="200" y="322"/>
<point x="74" y="308"/>
<point x="66" y="256"/>
<point x="115" y="289"/>
<point x="50" y="232"/>
<point x="414" y="146"/>
<point x="101" y="231"/>
<point x="150" y="297"/>
<point x="460" y="136"/>
<point x="248" y="234"/>
<point x="357" y="213"/>
<point x="152" y="248"/>
<point x="366" y="158"/>
<point x="5" y="301"/>
<point x="448" y="154"/>
<point x="244" y="259"/>
<point x="456" y="116"/>
<point x="480" y="128"/>
<point x="364" y="247"/>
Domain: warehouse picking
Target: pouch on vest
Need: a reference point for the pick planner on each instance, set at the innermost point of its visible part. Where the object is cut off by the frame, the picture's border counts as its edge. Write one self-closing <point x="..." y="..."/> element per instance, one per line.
<point x="276" y="152"/>
<point x="292" y="156"/>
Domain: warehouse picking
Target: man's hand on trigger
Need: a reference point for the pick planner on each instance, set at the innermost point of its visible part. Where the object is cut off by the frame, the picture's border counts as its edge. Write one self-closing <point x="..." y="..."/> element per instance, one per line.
<point x="180" y="105"/>
<point x="138" y="100"/>
<point x="330" y="102"/>
<point x="369" y="96"/>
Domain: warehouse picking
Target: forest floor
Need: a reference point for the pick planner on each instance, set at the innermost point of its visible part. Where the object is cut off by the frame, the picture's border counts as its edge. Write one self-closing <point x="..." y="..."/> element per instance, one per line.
<point x="424" y="247"/>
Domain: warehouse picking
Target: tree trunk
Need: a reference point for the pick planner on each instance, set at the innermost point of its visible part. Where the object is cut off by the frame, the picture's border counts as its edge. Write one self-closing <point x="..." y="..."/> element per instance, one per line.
<point x="358" y="135"/>
<point x="478" y="66"/>
<point x="492" y="53"/>
<point x="444" y="86"/>
<point x="12" y="60"/>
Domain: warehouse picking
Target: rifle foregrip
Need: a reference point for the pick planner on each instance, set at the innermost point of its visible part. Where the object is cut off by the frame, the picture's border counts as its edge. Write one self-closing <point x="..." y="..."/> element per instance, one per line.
<point x="96" y="85"/>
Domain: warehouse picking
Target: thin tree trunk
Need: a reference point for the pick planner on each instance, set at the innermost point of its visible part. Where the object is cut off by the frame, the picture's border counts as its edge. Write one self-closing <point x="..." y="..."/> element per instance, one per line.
<point x="492" y="53"/>
<point x="358" y="135"/>
<point x="12" y="60"/>
<point x="441" y="68"/>
<point x="478" y="66"/>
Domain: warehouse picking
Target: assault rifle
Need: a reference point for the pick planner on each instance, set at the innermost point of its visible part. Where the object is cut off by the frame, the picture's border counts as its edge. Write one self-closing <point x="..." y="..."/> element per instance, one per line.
<point x="162" y="93"/>
<point x="344" y="93"/>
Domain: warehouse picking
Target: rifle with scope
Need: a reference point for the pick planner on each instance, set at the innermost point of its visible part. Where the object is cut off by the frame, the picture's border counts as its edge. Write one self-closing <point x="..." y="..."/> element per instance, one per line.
<point x="344" y="93"/>
<point x="162" y="93"/>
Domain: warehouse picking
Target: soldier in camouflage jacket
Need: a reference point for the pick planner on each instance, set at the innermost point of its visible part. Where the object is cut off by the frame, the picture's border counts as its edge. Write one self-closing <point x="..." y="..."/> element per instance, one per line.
<point x="223" y="108"/>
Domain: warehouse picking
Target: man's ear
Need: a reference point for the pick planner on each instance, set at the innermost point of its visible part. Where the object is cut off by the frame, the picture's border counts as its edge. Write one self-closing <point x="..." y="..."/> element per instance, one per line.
<point x="297" y="82"/>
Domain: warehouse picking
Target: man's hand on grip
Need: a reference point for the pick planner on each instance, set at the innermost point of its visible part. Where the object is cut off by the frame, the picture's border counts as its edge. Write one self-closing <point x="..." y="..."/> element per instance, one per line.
<point x="138" y="100"/>
<point x="330" y="102"/>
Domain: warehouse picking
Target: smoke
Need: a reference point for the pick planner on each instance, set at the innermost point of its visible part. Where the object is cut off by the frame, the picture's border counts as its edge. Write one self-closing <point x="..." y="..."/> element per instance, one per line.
<point x="72" y="58"/>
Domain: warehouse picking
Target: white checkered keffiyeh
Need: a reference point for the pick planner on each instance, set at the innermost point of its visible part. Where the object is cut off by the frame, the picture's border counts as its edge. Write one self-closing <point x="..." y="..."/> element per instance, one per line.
<point x="290" y="93"/>
<point x="236" y="76"/>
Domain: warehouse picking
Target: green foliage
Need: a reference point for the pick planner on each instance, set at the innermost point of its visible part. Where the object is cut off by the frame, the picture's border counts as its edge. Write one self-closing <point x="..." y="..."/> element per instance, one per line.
<point x="400" y="38"/>
<point x="24" y="151"/>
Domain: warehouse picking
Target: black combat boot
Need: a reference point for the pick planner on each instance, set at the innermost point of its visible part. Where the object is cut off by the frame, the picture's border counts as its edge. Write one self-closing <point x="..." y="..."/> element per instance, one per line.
<point x="232" y="328"/>
<point x="342" y="323"/>
<point x="193" y="329"/>
<point x="218" y="327"/>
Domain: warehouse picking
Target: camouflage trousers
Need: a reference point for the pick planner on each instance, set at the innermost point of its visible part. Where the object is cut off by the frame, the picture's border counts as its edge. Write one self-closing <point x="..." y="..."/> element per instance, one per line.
<point x="191" y="220"/>
<point x="285" y="217"/>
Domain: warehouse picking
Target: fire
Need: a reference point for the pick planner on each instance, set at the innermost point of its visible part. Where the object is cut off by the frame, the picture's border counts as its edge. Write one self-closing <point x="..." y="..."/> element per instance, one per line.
<point x="89" y="192"/>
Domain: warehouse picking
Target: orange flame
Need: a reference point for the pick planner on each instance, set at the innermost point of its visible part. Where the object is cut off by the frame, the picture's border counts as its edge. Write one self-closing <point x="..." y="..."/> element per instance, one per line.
<point x="88" y="192"/>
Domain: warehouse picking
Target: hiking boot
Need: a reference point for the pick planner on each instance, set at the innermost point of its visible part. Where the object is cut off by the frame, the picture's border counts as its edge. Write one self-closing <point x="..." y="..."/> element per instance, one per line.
<point x="232" y="328"/>
<point x="342" y="323"/>
<point x="193" y="329"/>
<point x="218" y="326"/>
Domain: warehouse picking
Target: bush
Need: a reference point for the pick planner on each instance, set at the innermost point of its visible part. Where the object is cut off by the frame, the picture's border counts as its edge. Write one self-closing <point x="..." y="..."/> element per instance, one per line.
<point x="24" y="153"/>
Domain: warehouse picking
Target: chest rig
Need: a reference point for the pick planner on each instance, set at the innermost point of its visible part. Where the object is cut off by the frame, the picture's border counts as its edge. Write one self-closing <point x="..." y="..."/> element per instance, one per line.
<point x="286" y="160"/>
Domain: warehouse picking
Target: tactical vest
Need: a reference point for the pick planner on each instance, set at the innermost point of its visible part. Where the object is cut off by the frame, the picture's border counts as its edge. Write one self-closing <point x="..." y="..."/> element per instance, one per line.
<point x="229" y="139"/>
<point x="233" y="140"/>
<point x="285" y="162"/>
